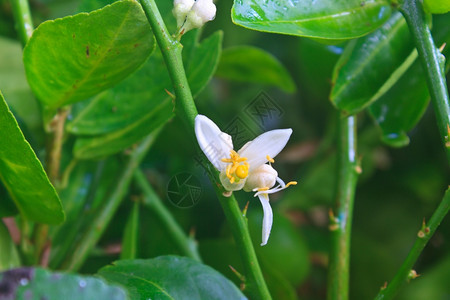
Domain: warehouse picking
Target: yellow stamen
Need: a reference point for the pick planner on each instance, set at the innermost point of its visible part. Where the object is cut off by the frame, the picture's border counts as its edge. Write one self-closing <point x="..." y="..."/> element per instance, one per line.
<point x="270" y="159"/>
<point x="262" y="189"/>
<point x="237" y="168"/>
<point x="291" y="183"/>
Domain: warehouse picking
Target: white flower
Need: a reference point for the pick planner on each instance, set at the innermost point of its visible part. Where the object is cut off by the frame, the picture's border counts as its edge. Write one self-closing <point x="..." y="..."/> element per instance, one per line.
<point x="192" y="14"/>
<point x="247" y="168"/>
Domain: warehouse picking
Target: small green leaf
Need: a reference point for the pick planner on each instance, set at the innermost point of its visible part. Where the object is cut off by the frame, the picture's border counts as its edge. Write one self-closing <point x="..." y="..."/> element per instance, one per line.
<point x="38" y="284"/>
<point x="251" y="64"/>
<point x="325" y="19"/>
<point x="131" y="234"/>
<point x="73" y="58"/>
<point x="371" y="65"/>
<point x="121" y="116"/>
<point x="9" y="257"/>
<point x="23" y="175"/>
<point x="170" y="277"/>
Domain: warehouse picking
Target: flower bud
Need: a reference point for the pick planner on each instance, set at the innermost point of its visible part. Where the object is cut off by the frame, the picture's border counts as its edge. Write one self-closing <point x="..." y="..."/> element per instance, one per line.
<point x="181" y="9"/>
<point x="201" y="12"/>
<point x="262" y="177"/>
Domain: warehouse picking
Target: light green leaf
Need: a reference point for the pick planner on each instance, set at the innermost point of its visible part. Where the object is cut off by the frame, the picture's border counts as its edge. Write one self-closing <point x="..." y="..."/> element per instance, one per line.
<point x="371" y="65"/>
<point x="9" y="257"/>
<point x="121" y="116"/>
<point x="325" y="19"/>
<point x="170" y="277"/>
<point x="251" y="64"/>
<point x="38" y="284"/>
<point x="73" y="58"/>
<point x="23" y="175"/>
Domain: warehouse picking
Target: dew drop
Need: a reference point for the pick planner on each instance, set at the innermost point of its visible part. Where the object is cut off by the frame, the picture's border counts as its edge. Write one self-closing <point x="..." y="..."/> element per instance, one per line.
<point x="82" y="283"/>
<point x="23" y="281"/>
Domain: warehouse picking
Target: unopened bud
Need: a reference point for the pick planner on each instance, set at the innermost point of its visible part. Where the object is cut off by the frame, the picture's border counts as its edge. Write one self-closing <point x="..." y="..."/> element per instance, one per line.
<point x="201" y="12"/>
<point x="262" y="177"/>
<point x="181" y="9"/>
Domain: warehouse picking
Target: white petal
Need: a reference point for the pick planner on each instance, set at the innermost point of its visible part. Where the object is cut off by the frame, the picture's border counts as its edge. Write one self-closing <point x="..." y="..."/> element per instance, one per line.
<point x="269" y="143"/>
<point x="213" y="142"/>
<point x="267" y="219"/>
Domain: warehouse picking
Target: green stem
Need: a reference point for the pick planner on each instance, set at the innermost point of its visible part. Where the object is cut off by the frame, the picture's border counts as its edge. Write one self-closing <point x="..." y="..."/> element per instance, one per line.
<point x="171" y="50"/>
<point x="23" y="22"/>
<point x="433" y="66"/>
<point x="255" y="285"/>
<point x="186" y="245"/>
<point x="81" y="250"/>
<point x="130" y="239"/>
<point x="404" y="274"/>
<point x="341" y="221"/>
<point x="186" y="110"/>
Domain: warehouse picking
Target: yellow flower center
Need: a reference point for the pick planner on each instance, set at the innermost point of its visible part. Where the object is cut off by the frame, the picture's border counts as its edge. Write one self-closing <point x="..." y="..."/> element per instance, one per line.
<point x="237" y="168"/>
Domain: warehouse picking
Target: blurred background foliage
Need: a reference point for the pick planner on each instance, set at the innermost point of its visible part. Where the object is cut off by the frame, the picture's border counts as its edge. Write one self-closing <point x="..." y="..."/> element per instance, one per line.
<point x="397" y="189"/>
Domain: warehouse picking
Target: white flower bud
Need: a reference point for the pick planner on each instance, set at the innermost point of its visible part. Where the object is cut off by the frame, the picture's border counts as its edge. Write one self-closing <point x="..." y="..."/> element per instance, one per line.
<point x="262" y="177"/>
<point x="202" y="11"/>
<point x="181" y="9"/>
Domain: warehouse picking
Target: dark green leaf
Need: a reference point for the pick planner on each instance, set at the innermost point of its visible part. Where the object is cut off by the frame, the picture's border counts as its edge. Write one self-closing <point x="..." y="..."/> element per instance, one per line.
<point x="170" y="277"/>
<point x="9" y="258"/>
<point x="399" y="110"/>
<point x="131" y="234"/>
<point x="38" y="284"/>
<point x="23" y="175"/>
<point x="371" y="65"/>
<point x="402" y="106"/>
<point x="251" y="64"/>
<point x="73" y="58"/>
<point x="326" y="19"/>
<point x="123" y="115"/>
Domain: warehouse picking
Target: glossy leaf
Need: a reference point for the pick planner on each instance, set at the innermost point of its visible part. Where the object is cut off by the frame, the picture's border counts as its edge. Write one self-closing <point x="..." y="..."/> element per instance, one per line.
<point x="170" y="277"/>
<point x="38" y="284"/>
<point x="131" y="234"/>
<point x="132" y="109"/>
<point x="371" y="65"/>
<point x="325" y="19"/>
<point x="401" y="107"/>
<point x="399" y="110"/>
<point x="23" y="175"/>
<point x="73" y="58"/>
<point x="9" y="257"/>
<point x="251" y="64"/>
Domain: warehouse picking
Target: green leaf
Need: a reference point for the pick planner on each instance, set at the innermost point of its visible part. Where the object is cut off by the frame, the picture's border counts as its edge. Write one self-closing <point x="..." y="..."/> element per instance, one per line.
<point x="73" y="58"/>
<point x="121" y="116"/>
<point x="131" y="234"/>
<point x="38" y="284"/>
<point x="399" y="110"/>
<point x="14" y="84"/>
<point x="371" y="65"/>
<point x="9" y="257"/>
<point x="170" y="277"/>
<point x="251" y="64"/>
<point x="401" y="107"/>
<point x="325" y="19"/>
<point x="23" y="175"/>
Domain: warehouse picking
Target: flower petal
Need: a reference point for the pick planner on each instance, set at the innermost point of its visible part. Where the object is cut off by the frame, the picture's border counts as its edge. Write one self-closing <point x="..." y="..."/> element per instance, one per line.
<point x="213" y="142"/>
<point x="269" y="143"/>
<point x="267" y="219"/>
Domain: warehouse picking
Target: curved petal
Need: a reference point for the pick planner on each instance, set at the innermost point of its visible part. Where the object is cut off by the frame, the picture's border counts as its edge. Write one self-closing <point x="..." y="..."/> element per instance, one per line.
<point x="213" y="142"/>
<point x="269" y="143"/>
<point x="267" y="219"/>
